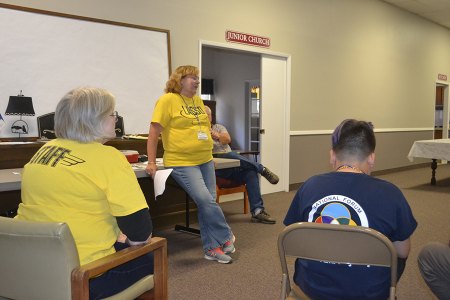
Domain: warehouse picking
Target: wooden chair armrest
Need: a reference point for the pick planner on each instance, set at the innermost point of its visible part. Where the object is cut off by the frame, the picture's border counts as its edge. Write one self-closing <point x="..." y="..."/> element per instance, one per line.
<point x="158" y="245"/>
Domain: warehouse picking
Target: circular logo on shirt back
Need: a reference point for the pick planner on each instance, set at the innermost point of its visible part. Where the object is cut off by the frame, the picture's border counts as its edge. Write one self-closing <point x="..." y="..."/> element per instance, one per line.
<point x="338" y="209"/>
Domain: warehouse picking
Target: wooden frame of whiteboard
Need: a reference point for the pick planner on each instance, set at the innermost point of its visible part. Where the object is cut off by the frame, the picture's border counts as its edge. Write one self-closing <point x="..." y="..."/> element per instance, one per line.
<point x="128" y="107"/>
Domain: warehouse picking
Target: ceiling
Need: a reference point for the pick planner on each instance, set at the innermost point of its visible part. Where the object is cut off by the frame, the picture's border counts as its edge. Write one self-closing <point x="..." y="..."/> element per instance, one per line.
<point x="437" y="11"/>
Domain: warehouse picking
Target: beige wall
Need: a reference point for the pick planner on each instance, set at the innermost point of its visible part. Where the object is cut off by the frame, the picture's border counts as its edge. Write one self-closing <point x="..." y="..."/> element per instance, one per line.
<point x="350" y="58"/>
<point x="310" y="153"/>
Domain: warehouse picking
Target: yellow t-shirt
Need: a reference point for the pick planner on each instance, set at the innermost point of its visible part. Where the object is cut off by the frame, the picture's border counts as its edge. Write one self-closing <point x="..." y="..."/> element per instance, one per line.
<point x="186" y="135"/>
<point x="85" y="186"/>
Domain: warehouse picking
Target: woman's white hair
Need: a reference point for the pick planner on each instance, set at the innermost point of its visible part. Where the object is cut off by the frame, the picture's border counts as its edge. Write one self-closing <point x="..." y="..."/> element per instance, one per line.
<point x="79" y="115"/>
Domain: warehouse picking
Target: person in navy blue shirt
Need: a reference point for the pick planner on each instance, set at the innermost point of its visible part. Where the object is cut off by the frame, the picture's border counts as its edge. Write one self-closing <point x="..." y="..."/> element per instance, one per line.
<point x="350" y="196"/>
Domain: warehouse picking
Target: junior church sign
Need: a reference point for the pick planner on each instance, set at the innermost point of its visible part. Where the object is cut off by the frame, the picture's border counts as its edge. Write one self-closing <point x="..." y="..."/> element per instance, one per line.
<point x="247" y="39"/>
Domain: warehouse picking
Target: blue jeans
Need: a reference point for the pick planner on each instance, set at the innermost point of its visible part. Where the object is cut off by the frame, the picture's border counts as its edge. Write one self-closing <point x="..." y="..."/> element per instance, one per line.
<point x="121" y="277"/>
<point x="246" y="174"/>
<point x="246" y="163"/>
<point x="200" y="184"/>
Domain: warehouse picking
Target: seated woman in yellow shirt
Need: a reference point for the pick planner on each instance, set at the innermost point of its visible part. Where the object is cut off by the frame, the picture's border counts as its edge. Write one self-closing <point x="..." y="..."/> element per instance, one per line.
<point x="77" y="180"/>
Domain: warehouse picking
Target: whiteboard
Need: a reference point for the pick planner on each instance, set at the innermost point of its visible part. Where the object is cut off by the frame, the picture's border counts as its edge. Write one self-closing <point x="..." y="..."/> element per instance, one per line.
<point x="46" y="54"/>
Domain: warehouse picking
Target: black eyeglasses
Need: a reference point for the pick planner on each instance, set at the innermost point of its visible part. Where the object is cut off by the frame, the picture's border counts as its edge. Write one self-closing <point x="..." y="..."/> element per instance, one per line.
<point x="115" y="114"/>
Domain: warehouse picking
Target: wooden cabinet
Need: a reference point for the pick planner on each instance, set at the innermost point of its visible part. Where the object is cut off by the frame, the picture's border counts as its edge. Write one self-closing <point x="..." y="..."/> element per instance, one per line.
<point x="17" y="155"/>
<point x="439" y="95"/>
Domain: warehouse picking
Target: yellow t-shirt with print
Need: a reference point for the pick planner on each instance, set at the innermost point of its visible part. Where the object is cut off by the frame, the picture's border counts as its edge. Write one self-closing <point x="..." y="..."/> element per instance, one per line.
<point x="85" y="186"/>
<point x="186" y="133"/>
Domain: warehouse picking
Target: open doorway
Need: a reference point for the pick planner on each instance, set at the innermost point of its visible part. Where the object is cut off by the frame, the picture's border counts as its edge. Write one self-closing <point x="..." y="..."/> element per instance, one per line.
<point x="441" y="117"/>
<point x="232" y="68"/>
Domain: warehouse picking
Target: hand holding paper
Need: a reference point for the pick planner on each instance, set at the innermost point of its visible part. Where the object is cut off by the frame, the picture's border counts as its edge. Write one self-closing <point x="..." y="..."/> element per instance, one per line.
<point x="159" y="181"/>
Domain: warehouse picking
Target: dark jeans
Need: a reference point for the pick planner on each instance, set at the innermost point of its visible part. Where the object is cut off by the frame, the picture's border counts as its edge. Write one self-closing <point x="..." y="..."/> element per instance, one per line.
<point x="246" y="174"/>
<point x="121" y="277"/>
<point x="246" y="163"/>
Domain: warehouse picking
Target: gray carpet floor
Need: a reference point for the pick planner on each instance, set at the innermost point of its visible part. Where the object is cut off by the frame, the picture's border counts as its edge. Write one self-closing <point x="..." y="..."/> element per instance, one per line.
<point x="255" y="272"/>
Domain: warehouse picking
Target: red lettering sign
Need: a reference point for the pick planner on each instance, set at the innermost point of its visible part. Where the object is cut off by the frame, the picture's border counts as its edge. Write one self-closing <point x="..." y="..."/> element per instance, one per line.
<point x="248" y="39"/>
<point x="442" y="77"/>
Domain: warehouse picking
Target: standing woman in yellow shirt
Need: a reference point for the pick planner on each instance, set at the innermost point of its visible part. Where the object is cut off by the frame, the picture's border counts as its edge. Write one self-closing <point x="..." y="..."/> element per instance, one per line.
<point x="180" y="118"/>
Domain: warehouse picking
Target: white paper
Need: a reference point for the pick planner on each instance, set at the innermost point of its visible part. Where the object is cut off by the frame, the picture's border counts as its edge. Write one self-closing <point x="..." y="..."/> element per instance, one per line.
<point x="159" y="181"/>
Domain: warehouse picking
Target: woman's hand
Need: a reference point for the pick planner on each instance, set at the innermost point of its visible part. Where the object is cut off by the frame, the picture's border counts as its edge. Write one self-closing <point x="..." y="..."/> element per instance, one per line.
<point x="151" y="168"/>
<point x="121" y="238"/>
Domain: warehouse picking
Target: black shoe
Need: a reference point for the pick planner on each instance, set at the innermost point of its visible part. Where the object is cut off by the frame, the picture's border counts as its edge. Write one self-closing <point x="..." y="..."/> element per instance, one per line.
<point x="270" y="176"/>
<point x="263" y="217"/>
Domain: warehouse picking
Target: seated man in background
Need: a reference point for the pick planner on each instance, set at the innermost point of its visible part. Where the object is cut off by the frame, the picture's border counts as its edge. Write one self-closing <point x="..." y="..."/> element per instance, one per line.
<point x="434" y="265"/>
<point x="246" y="174"/>
<point x="350" y="196"/>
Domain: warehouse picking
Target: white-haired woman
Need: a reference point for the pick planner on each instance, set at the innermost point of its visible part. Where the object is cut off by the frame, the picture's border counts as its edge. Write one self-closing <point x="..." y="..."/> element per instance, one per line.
<point x="77" y="180"/>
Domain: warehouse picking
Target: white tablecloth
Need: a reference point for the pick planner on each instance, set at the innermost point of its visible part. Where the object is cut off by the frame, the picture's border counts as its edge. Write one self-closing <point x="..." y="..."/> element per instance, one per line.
<point x="432" y="149"/>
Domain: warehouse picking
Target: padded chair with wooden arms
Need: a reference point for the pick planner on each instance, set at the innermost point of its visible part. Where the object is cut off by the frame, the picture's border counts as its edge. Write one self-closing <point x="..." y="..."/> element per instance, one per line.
<point x="39" y="260"/>
<point x="351" y="244"/>
<point x="227" y="187"/>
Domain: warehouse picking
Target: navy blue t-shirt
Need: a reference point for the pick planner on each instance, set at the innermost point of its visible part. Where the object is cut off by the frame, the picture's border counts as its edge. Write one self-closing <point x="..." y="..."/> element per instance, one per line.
<point x="349" y="199"/>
